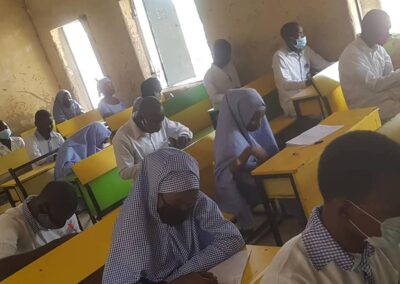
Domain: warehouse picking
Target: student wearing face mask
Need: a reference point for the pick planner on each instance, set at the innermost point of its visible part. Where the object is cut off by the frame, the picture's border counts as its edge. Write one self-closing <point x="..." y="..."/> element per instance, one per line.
<point x="36" y="226"/>
<point x="354" y="236"/>
<point x="168" y="231"/>
<point x="65" y="107"/>
<point x="294" y="65"/>
<point x="147" y="131"/>
<point x="8" y="143"/>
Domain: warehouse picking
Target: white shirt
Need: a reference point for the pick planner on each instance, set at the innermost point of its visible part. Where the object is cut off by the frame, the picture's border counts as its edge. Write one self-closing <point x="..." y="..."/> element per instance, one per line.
<point x="37" y="146"/>
<point x="131" y="144"/>
<point x="16" y="143"/>
<point x="291" y="71"/>
<point x="21" y="233"/>
<point x="217" y="81"/>
<point x="368" y="79"/>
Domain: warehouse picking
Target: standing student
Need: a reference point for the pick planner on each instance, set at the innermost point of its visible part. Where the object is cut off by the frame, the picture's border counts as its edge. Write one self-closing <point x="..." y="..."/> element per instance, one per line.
<point x="354" y="236"/>
<point x="294" y="65"/>
<point x="147" y="131"/>
<point x="243" y="140"/>
<point x="168" y="231"/>
<point x="65" y="107"/>
<point x="109" y="104"/>
<point x="86" y="142"/>
<point x="222" y="74"/>
<point x="8" y="143"/>
<point x="44" y="140"/>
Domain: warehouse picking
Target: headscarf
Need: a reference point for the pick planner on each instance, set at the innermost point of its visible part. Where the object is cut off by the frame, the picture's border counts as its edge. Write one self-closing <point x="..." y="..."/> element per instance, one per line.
<point x="232" y="138"/>
<point x="144" y="248"/>
<point x="79" y="146"/>
<point x="61" y="112"/>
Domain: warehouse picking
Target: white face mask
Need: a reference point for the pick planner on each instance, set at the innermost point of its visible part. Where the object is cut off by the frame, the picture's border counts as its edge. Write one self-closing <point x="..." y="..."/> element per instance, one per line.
<point x="390" y="230"/>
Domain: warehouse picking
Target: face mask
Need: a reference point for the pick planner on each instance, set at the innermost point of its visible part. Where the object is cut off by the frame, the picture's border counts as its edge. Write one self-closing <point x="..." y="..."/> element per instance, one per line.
<point x="301" y="43"/>
<point x="5" y="134"/>
<point x="390" y="231"/>
<point x="173" y="216"/>
<point x="45" y="222"/>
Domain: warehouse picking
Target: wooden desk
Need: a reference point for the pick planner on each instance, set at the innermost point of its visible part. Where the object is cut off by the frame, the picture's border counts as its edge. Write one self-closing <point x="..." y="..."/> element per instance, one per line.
<point x="73" y="125"/>
<point x="292" y="173"/>
<point x="308" y="102"/>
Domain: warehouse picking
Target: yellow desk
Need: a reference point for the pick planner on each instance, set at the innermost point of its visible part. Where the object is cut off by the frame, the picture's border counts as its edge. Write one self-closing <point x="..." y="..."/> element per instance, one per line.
<point x="308" y="102"/>
<point x="73" y="125"/>
<point x="292" y="173"/>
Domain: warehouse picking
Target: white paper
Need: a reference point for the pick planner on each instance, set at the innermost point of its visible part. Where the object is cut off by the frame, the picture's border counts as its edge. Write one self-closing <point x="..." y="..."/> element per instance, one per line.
<point x="314" y="135"/>
<point x="231" y="270"/>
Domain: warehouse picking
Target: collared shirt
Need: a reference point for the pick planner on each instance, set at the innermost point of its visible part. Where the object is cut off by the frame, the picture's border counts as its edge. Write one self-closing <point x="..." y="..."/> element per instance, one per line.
<point x="368" y="79"/>
<point x="37" y="146"/>
<point x="131" y="144"/>
<point x="291" y="71"/>
<point x="217" y="81"/>
<point x="21" y="233"/>
<point x="16" y="143"/>
<point x="315" y="257"/>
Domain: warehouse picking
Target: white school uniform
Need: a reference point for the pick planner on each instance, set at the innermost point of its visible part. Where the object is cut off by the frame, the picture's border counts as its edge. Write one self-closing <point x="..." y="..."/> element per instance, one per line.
<point x="37" y="146"/>
<point x="16" y="143"/>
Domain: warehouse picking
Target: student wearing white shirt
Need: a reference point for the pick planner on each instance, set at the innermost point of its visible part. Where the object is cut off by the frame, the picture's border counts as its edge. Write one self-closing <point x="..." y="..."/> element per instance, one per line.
<point x="222" y="74"/>
<point x="294" y="65"/>
<point x="36" y="226"/>
<point x="354" y="236"/>
<point x="109" y="104"/>
<point x="44" y="140"/>
<point x="7" y="142"/>
<point x="366" y="69"/>
<point x="147" y="131"/>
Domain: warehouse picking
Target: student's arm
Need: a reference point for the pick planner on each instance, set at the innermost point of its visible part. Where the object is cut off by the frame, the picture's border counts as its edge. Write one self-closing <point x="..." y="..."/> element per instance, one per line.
<point x="175" y="129"/>
<point x="125" y="157"/>
<point x="317" y="62"/>
<point x="226" y="238"/>
<point x="215" y="97"/>
<point x="282" y="74"/>
<point x="34" y="152"/>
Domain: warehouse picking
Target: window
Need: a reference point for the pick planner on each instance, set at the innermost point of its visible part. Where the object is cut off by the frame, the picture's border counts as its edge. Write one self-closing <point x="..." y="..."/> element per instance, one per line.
<point x="174" y="38"/>
<point x="392" y="7"/>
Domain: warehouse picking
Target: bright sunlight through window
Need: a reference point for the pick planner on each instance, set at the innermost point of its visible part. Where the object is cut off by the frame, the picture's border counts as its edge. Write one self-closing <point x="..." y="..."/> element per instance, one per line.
<point x="392" y="7"/>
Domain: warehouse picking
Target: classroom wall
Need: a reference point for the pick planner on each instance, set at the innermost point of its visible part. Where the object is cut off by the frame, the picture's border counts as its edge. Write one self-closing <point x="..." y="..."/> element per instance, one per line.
<point x="252" y="26"/>
<point x="27" y="82"/>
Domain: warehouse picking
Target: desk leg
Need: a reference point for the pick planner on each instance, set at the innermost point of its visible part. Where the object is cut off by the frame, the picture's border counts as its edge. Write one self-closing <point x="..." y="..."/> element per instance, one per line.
<point x="303" y="214"/>
<point x="10" y="198"/>
<point x="19" y="184"/>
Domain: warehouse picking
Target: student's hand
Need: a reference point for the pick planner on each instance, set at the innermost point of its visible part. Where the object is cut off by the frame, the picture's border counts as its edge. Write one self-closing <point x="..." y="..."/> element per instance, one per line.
<point x="182" y="141"/>
<point x="196" y="277"/>
<point x="259" y="153"/>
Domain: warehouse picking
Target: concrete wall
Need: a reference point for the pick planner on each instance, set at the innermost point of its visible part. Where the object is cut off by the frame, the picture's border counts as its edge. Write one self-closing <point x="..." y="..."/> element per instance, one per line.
<point x="27" y="82"/>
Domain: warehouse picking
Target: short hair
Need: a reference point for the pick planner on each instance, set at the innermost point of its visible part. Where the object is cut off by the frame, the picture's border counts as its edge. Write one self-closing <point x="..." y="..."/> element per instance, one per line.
<point x="371" y="18"/>
<point x="150" y="105"/>
<point x="351" y="165"/>
<point x="42" y="114"/>
<point x="289" y="29"/>
<point x="62" y="194"/>
<point x="222" y="45"/>
<point x="150" y="86"/>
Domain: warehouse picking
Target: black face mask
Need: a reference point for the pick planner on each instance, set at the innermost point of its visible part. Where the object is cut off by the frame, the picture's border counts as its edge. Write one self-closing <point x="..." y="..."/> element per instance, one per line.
<point x="173" y="216"/>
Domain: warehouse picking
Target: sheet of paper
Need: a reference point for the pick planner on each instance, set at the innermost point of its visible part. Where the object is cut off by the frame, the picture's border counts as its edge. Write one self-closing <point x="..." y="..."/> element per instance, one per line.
<point x="314" y="135"/>
<point x="231" y="270"/>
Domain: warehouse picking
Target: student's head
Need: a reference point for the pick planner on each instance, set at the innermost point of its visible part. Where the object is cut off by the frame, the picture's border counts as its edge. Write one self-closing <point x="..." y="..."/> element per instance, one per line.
<point x="293" y="35"/>
<point x="256" y="120"/>
<point x="359" y="175"/>
<point x="44" y="122"/>
<point x="375" y="27"/>
<point x="64" y="97"/>
<point x="105" y="87"/>
<point x="55" y="205"/>
<point x="151" y="88"/>
<point x="150" y="115"/>
<point x="5" y="131"/>
<point x="222" y="52"/>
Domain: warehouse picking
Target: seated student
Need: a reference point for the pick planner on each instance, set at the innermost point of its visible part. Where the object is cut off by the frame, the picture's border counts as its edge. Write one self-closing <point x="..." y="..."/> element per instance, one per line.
<point x="109" y="104"/>
<point x="44" y="140"/>
<point x="86" y="142"/>
<point x="36" y="226"/>
<point x="150" y="87"/>
<point x="167" y="229"/>
<point x="147" y="131"/>
<point x="354" y="236"/>
<point x="294" y="65"/>
<point x="8" y="143"/>
<point x="65" y="107"/>
<point x="366" y="70"/>
<point x="222" y="74"/>
<point x="243" y="140"/>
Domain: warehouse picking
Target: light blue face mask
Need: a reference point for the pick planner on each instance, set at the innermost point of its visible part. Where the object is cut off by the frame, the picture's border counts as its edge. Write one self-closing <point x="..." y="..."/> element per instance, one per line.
<point x="390" y="231"/>
<point x="5" y="134"/>
<point x="301" y="43"/>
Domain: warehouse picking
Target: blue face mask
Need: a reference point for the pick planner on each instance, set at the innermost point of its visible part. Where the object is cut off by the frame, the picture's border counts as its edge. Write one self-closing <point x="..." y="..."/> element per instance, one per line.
<point x="5" y="134"/>
<point x="301" y="43"/>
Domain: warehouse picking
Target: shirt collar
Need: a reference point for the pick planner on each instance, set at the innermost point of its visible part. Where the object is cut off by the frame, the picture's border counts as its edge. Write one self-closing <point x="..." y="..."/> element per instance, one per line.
<point x="292" y="52"/>
<point x="137" y="132"/>
<point x="28" y="215"/>
<point x="40" y="137"/>
<point x="363" y="45"/>
<point x="322" y="249"/>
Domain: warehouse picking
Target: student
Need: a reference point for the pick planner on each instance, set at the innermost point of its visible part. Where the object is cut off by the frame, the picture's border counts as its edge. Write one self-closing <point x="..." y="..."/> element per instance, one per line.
<point x="8" y="143"/>
<point x="243" y="140"/>
<point x="294" y="65"/>
<point x="354" y="236"/>
<point x="147" y="131"/>
<point x="167" y="229"/>
<point x="222" y="74"/>
<point x="109" y="104"/>
<point x="36" y="226"/>
<point x="86" y="142"/>
<point x="44" y="140"/>
<point x="65" y="107"/>
<point x="366" y="69"/>
<point x="150" y="87"/>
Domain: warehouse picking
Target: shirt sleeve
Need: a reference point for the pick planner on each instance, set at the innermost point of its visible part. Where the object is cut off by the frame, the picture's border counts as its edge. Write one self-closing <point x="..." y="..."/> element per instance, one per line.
<point x="317" y="62"/>
<point x="175" y="129"/>
<point x="8" y="238"/>
<point x="34" y="151"/>
<point x="127" y="166"/>
<point x="282" y="74"/>
<point x="215" y="97"/>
